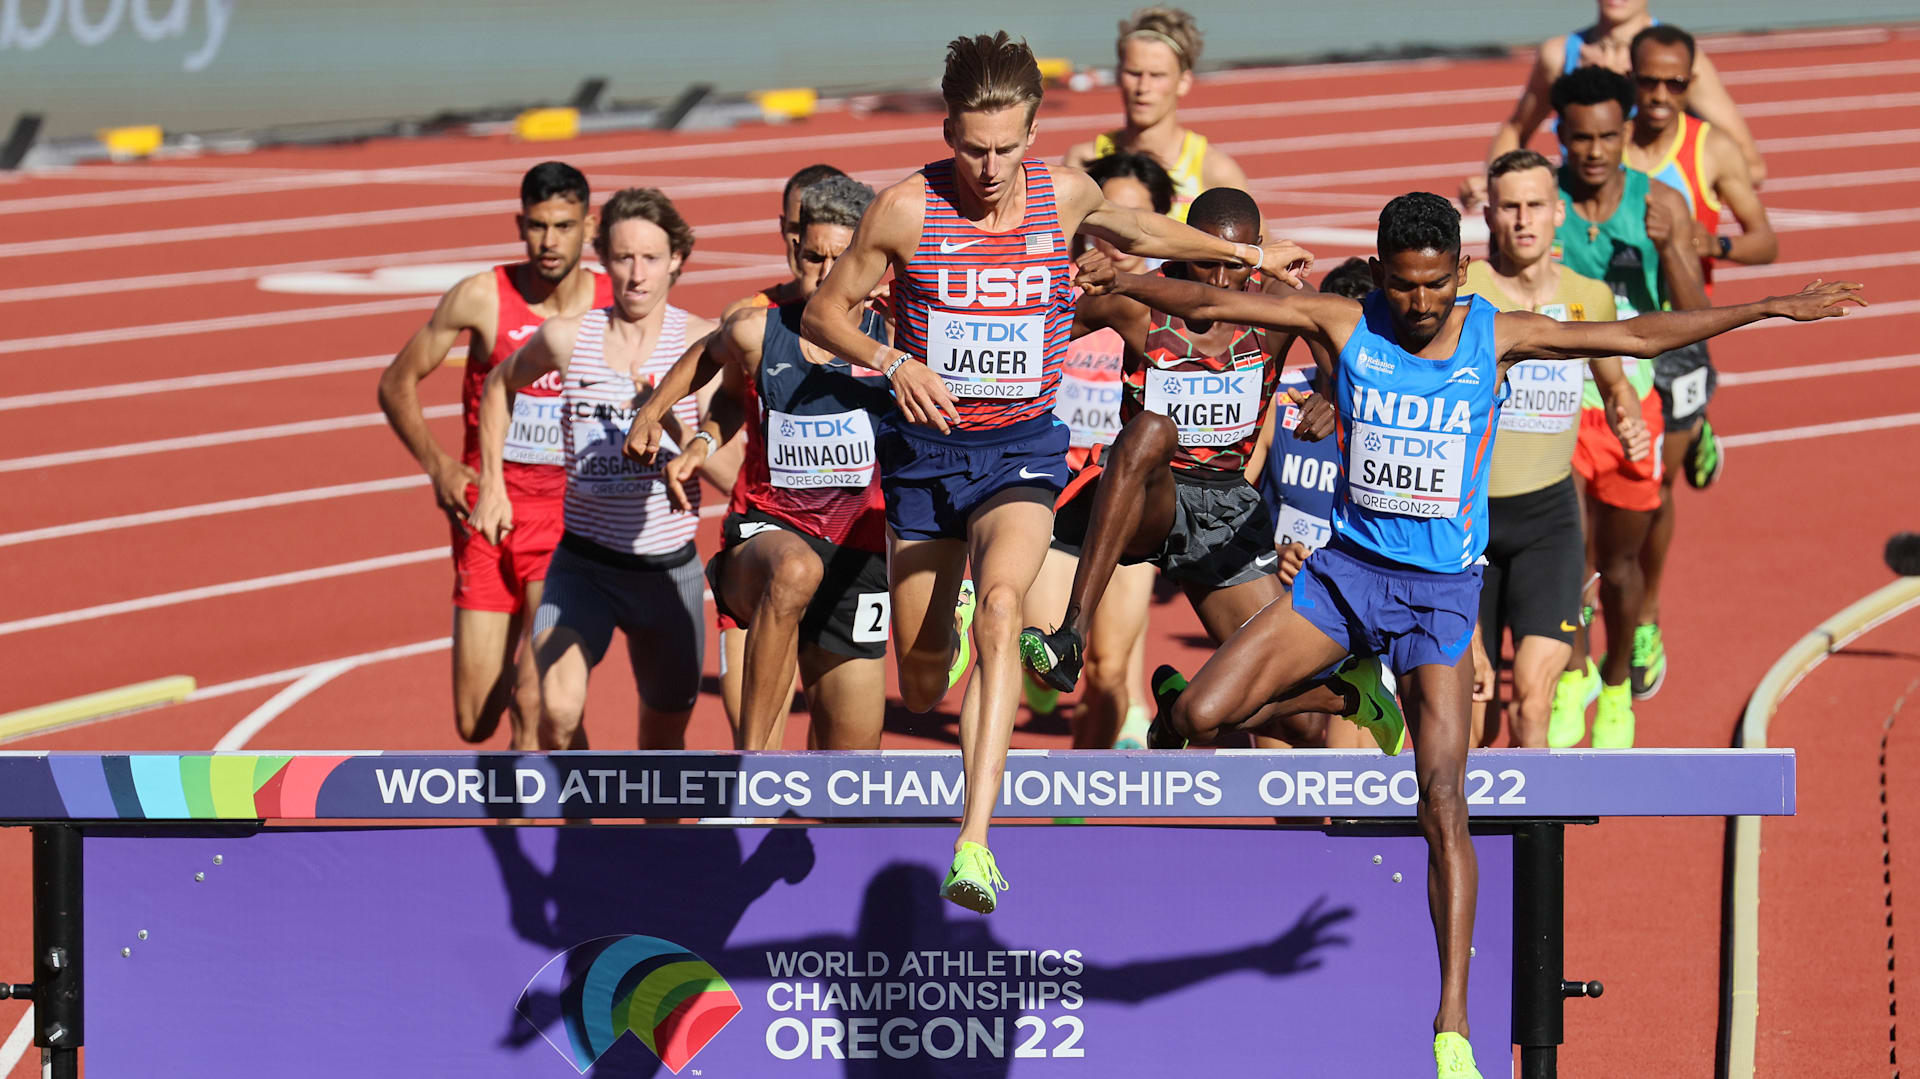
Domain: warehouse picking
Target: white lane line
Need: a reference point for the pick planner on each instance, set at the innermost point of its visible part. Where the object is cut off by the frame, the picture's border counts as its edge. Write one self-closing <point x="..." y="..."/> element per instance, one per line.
<point x="1842" y="181"/>
<point x="1878" y="310"/>
<point x="1819" y="370"/>
<point x="259" y="681"/>
<point x="1817" y="267"/>
<point x="256" y="721"/>
<point x="230" y="588"/>
<point x="116" y="285"/>
<point x="1823" y="430"/>
<point x="213" y="438"/>
<point x="18" y="1042"/>
<point x="230" y="505"/>
<point x="90" y="394"/>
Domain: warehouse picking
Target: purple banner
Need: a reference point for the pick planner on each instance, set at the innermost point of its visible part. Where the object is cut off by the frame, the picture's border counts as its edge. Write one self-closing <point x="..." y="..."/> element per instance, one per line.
<point x="737" y="953"/>
<point x="890" y="785"/>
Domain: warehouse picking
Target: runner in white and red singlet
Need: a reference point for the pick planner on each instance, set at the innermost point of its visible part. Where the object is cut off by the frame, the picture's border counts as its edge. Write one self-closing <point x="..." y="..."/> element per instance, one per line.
<point x="495" y="586"/>
<point x="626" y="560"/>
<point x="971" y="461"/>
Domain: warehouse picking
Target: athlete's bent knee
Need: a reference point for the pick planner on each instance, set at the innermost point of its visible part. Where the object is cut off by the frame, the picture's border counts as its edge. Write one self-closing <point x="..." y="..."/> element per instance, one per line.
<point x="1147" y="439"/>
<point x="791" y="585"/>
<point x="999" y="615"/>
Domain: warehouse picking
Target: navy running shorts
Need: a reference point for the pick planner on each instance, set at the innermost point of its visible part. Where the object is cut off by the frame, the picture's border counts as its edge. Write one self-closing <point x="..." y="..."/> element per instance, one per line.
<point x="933" y="483"/>
<point x="1408" y="617"/>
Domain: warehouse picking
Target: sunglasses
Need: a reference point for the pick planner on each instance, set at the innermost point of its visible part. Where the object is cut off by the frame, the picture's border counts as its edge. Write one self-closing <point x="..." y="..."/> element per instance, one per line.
<point x="1674" y="86"/>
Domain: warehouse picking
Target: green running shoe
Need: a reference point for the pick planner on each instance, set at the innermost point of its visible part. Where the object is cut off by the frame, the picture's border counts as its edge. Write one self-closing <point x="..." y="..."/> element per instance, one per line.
<point x="1133" y="730"/>
<point x="974" y="880"/>
<point x="962" y="628"/>
<point x="1053" y="658"/>
<point x="1375" y="710"/>
<point x="1453" y="1057"/>
<point x="1044" y="700"/>
<point x="1613" y="719"/>
<point x="1567" y="723"/>
<point x="1706" y="458"/>
<point x="1167" y="685"/>
<point x="1649" y="665"/>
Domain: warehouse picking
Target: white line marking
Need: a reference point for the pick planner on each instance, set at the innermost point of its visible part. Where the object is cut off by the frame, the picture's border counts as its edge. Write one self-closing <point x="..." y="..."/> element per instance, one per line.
<point x="212" y="438"/>
<point x="17" y="1042"/>
<point x="1879" y="310"/>
<point x="1823" y="430"/>
<point x="256" y="721"/>
<point x="1819" y="370"/>
<point x="116" y="285"/>
<point x="214" y="509"/>
<point x="145" y="387"/>
<point x="258" y="681"/>
<point x="1816" y="267"/>
<point x="230" y="588"/>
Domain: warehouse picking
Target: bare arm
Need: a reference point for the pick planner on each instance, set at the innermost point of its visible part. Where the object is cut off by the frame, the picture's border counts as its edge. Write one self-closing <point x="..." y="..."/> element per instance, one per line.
<point x="697" y="366"/>
<point x="547" y="350"/>
<point x="1312" y="315"/>
<point x="1521" y="335"/>
<point x="466" y="306"/>
<point x="1709" y="100"/>
<point x="1257" y="462"/>
<point x="1529" y="112"/>
<point x="1151" y="235"/>
<point x="1732" y="183"/>
<point x="1079" y="155"/>
<point x="1670" y="226"/>
<point x="1221" y="170"/>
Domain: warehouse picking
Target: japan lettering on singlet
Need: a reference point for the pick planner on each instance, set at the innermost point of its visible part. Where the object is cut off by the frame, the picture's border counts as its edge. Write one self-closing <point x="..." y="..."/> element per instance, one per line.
<point x="1089" y="401"/>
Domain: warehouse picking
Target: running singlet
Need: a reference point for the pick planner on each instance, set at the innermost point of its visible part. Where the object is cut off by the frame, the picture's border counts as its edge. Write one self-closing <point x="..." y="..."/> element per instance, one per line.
<point x="1541" y="420"/>
<point x="989" y="312"/>
<point x="1299" y="479"/>
<point x="1089" y="402"/>
<point x="1216" y="401"/>
<point x="1417" y="437"/>
<point x="1616" y="250"/>
<point x="1185" y="170"/>
<point x="531" y="463"/>
<point x="1575" y="39"/>
<point x="1684" y="169"/>
<point x="617" y="503"/>
<point x="810" y="454"/>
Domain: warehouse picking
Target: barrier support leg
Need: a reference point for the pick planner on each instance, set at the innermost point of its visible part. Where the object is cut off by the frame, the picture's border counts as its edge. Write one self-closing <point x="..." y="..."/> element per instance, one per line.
<point x="1539" y="946"/>
<point x="59" y="1012"/>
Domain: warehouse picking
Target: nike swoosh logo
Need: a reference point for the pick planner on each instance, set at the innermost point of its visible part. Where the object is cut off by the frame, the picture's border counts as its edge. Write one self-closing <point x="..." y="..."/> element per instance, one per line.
<point x="1266" y="559"/>
<point x="948" y="247"/>
<point x="1025" y="475"/>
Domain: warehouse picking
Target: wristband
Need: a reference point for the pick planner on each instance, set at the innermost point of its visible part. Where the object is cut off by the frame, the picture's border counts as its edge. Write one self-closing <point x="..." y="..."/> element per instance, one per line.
<point x="1726" y="246"/>
<point x="895" y="365"/>
<point x="713" y="444"/>
<point x="1244" y="260"/>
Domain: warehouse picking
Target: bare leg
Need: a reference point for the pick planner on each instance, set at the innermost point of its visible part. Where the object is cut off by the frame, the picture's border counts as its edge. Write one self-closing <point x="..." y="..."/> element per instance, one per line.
<point x="733" y="657"/>
<point x="1132" y="511"/>
<point x="1537" y="664"/>
<point x="483" y="643"/>
<point x="1653" y="554"/>
<point x="773" y="575"/>
<point x="924" y="578"/>
<point x="1115" y="652"/>
<point x="1618" y="535"/>
<point x="561" y="657"/>
<point x="1223" y="611"/>
<point x="847" y="698"/>
<point x="1265" y="662"/>
<point x="524" y="715"/>
<point x="1436" y="700"/>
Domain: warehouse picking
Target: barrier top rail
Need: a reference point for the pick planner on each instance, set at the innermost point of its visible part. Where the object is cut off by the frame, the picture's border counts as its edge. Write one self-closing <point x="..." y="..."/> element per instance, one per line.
<point x="889" y="784"/>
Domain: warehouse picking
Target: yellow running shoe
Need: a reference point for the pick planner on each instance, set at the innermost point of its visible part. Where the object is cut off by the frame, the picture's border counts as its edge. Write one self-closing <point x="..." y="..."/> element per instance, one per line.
<point x="1567" y="723"/>
<point x="1375" y="710"/>
<point x="963" y="629"/>
<point x="973" y="880"/>
<point x="1042" y="700"/>
<point x="1453" y="1057"/>
<point x="1613" y="719"/>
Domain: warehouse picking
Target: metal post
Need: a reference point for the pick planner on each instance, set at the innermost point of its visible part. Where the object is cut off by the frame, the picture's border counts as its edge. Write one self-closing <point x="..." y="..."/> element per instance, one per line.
<point x="1539" y="946"/>
<point x="59" y="1012"/>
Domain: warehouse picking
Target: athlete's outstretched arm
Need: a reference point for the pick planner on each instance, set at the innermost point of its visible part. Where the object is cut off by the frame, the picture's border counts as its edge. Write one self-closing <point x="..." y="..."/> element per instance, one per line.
<point x="725" y="416"/>
<point x="887" y="235"/>
<point x="1533" y="107"/>
<point x="1522" y="335"/>
<point x="1142" y="232"/>
<point x="1312" y="315"/>
<point x="695" y="367"/>
<point x="466" y="305"/>
<point x="547" y="350"/>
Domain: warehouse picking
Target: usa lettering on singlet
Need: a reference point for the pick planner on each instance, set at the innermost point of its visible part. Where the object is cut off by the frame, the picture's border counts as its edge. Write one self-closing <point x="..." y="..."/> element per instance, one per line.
<point x="1215" y="400"/>
<point x="534" y="453"/>
<point x="1417" y="435"/>
<point x="1089" y="401"/>
<point x="615" y="502"/>
<point x="990" y="313"/>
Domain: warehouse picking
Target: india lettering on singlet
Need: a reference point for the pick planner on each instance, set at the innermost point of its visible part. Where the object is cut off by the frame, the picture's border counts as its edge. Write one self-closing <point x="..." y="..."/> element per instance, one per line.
<point x="1409" y="456"/>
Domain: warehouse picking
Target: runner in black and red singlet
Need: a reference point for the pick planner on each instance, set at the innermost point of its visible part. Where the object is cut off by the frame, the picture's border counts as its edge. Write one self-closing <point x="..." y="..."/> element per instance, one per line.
<point x="496" y="586"/>
<point x="803" y="567"/>
<point x="971" y="461"/>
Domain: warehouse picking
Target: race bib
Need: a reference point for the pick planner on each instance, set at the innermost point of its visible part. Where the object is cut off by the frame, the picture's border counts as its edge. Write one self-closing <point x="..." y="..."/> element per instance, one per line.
<point x="819" y="451"/>
<point x="1304" y="529"/>
<point x="533" y="436"/>
<point x="599" y="467"/>
<point x="1091" y="411"/>
<point x="995" y="356"/>
<point x="1545" y="398"/>
<point x="1410" y="473"/>
<point x="870" y="618"/>
<point x="1688" y="393"/>
<point x="1210" y="408"/>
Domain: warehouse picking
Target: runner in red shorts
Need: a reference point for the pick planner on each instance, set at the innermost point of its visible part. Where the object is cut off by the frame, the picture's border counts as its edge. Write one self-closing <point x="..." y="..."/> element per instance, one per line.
<point x="495" y="586"/>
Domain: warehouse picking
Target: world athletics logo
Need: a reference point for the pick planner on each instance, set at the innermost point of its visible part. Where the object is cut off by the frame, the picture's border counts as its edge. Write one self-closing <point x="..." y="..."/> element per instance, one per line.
<point x="671" y="999"/>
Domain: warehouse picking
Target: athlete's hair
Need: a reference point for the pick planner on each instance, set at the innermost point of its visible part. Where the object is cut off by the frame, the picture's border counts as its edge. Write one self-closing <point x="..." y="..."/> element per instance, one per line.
<point x="647" y="204"/>
<point x="1516" y="161"/>
<point x="1221" y="208"/>
<point x="1150" y="173"/>
<point x="836" y="200"/>
<point x="986" y="73"/>
<point x="1170" y="26"/>
<point x="1593" y="85"/>
<point x="804" y="179"/>
<point x="1419" y="221"/>
<point x="551" y="180"/>
<point x="1352" y="279"/>
<point x="1664" y="34"/>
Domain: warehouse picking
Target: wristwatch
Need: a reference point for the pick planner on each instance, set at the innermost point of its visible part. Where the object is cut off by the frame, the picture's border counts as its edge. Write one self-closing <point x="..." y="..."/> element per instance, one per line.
<point x="1726" y="245"/>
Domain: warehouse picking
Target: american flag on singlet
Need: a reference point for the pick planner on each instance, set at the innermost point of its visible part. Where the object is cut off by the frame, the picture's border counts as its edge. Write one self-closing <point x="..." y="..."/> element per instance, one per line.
<point x="989" y="312"/>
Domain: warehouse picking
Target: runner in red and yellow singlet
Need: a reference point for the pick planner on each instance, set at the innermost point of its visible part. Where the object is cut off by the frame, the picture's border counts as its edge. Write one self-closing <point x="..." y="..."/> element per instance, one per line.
<point x="496" y="586"/>
<point x="971" y="461"/>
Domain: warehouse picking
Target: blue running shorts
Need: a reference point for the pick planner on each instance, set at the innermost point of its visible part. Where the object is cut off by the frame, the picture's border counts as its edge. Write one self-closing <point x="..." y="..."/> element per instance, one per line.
<point x="1408" y="617"/>
<point x="933" y="483"/>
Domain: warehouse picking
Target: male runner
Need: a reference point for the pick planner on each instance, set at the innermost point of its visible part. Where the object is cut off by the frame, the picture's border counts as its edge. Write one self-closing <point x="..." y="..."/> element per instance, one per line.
<point x="626" y="560"/>
<point x="805" y="269"/>
<point x="1706" y="167"/>
<point x="1156" y="54"/>
<point x="1113" y="708"/>
<point x="1172" y="490"/>
<point x="1607" y="43"/>
<point x="1419" y="381"/>
<point x="802" y="568"/>
<point x="971" y="461"/>
<point x="1636" y="235"/>
<point x="495" y="586"/>
<point x="1536" y="549"/>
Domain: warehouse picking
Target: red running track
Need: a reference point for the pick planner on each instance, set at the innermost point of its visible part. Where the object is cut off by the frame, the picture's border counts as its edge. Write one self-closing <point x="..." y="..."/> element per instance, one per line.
<point x="149" y="373"/>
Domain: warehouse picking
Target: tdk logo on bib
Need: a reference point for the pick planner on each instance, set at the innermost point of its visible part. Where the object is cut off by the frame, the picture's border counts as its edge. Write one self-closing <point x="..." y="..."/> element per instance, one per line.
<point x="987" y="355"/>
<point x="1545" y="400"/>
<point x="997" y="286"/>
<point x="819" y="451"/>
<point x="1210" y="408"/>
